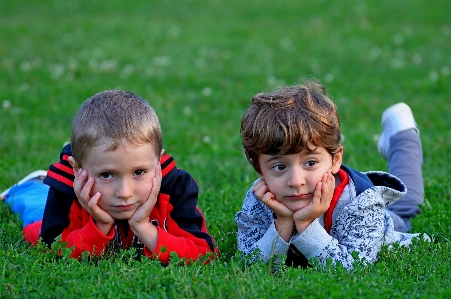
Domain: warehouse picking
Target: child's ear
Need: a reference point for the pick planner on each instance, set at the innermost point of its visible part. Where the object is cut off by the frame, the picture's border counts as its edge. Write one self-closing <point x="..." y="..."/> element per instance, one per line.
<point x="73" y="164"/>
<point x="337" y="160"/>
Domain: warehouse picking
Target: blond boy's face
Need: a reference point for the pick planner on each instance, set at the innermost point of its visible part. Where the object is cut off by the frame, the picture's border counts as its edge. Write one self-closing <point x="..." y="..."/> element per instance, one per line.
<point x="123" y="176"/>
<point x="293" y="178"/>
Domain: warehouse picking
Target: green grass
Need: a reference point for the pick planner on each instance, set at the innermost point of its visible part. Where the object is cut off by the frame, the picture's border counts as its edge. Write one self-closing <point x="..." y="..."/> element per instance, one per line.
<point x="199" y="63"/>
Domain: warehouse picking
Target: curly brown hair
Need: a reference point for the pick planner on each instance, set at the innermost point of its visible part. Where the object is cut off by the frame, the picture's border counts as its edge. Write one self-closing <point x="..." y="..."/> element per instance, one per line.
<point x="289" y="120"/>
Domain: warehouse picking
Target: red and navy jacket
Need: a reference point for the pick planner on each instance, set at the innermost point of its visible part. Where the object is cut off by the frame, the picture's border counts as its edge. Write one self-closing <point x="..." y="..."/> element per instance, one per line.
<point x="180" y="223"/>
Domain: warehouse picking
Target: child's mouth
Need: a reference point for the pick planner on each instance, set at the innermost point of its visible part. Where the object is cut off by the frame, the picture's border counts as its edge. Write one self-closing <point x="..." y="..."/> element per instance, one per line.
<point x="124" y="207"/>
<point x="300" y="196"/>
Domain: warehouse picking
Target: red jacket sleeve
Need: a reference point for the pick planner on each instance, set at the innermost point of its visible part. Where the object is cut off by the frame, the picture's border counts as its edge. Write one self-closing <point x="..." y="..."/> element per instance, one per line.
<point x="185" y="247"/>
<point x="83" y="235"/>
<point x="187" y="236"/>
<point x="181" y="224"/>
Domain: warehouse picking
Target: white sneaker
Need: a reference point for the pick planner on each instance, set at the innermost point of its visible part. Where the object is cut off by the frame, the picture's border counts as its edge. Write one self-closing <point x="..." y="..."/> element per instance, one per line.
<point x="35" y="175"/>
<point x="395" y="119"/>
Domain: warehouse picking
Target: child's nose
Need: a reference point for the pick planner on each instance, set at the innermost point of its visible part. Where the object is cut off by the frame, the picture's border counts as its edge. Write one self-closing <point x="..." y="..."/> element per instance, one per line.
<point x="296" y="179"/>
<point x="125" y="189"/>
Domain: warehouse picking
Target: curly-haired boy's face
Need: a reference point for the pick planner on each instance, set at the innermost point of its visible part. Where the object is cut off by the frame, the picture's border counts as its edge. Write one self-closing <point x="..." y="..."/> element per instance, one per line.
<point x="122" y="176"/>
<point x="293" y="178"/>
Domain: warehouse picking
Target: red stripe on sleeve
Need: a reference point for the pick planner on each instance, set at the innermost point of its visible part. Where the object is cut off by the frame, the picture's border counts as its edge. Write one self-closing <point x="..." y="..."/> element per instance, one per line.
<point x="60" y="178"/>
<point x="168" y="168"/>
<point x="64" y="168"/>
<point x="164" y="158"/>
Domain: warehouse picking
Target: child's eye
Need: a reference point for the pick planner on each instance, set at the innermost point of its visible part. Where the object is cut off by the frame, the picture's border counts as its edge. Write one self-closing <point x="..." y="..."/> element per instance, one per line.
<point x="310" y="163"/>
<point x="140" y="172"/>
<point x="106" y="175"/>
<point x="279" y="167"/>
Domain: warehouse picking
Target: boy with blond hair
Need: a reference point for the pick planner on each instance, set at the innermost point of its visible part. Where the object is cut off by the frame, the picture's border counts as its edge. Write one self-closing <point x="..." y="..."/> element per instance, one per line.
<point x="114" y="187"/>
<point x="307" y="204"/>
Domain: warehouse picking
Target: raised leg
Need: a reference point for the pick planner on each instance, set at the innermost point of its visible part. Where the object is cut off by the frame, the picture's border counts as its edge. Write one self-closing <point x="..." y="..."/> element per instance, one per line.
<point x="400" y="144"/>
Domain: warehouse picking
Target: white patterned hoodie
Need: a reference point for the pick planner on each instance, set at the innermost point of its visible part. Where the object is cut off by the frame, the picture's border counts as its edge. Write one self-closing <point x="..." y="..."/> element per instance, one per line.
<point x="360" y="223"/>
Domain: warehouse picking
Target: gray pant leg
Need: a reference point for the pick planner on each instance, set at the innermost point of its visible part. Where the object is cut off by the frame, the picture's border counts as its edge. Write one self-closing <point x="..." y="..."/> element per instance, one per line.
<point x="404" y="161"/>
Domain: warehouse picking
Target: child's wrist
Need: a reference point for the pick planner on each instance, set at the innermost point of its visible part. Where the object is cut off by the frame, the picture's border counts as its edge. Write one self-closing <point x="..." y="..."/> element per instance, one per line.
<point x="301" y="226"/>
<point x="284" y="221"/>
<point x="284" y="228"/>
<point x="141" y="227"/>
<point x="104" y="228"/>
<point x="147" y="233"/>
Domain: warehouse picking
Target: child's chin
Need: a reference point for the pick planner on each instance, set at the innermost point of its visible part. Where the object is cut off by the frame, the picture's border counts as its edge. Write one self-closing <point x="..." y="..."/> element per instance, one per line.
<point x="296" y="207"/>
<point x="123" y="215"/>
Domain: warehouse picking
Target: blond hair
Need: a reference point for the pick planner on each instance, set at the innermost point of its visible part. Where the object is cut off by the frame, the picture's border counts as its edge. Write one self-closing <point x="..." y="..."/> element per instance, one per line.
<point x="114" y="116"/>
<point x="289" y="120"/>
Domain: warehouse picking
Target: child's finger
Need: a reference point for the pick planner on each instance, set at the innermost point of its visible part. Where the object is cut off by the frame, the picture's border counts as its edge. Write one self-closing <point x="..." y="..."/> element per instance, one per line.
<point x="269" y="200"/>
<point x="86" y="190"/>
<point x="96" y="211"/>
<point x="156" y="184"/>
<point x="80" y="180"/>
<point x="318" y="193"/>
<point x="153" y="196"/>
<point x="258" y="185"/>
<point x="260" y="192"/>
<point x="146" y="207"/>
<point x="322" y="196"/>
<point x="142" y="213"/>
<point x="328" y="177"/>
<point x="267" y="197"/>
<point x="328" y="186"/>
<point x="260" y="189"/>
<point x="94" y="199"/>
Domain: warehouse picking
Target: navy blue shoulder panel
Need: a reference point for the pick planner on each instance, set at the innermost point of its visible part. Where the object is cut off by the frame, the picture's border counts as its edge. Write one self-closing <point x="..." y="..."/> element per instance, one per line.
<point x="370" y="179"/>
<point x="361" y="180"/>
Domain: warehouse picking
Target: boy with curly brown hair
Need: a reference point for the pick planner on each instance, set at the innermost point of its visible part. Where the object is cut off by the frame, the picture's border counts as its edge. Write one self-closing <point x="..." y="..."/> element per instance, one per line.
<point x="307" y="204"/>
